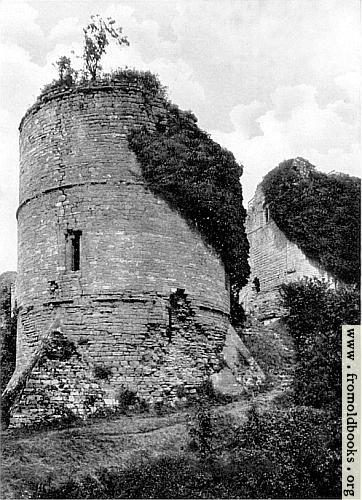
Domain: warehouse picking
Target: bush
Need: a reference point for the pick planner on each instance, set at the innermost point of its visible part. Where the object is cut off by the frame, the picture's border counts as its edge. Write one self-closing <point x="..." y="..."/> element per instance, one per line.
<point x="126" y="398"/>
<point x="201" y="432"/>
<point x="278" y="454"/>
<point x="320" y="213"/>
<point x="315" y="317"/>
<point x="164" y="477"/>
<point x="102" y="372"/>
<point x="145" y="80"/>
<point x="209" y="432"/>
<point x="59" y="347"/>
<point x="298" y="452"/>
<point x="206" y="394"/>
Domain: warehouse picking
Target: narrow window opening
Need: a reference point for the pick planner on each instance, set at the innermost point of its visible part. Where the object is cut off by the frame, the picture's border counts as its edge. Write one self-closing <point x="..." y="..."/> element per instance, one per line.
<point x="73" y="250"/>
<point x="266" y="213"/>
<point x="169" y="326"/>
<point x="76" y="252"/>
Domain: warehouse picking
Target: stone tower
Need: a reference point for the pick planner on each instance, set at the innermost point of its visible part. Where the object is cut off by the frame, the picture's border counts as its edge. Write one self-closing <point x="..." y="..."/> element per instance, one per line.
<point x="142" y="297"/>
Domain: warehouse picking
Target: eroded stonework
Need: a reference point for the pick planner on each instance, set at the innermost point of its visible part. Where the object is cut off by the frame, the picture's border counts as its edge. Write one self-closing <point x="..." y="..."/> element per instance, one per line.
<point x="273" y="260"/>
<point x="138" y="292"/>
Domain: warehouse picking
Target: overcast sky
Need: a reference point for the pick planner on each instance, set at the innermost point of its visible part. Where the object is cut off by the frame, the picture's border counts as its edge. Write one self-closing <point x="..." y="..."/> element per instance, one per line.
<point x="268" y="79"/>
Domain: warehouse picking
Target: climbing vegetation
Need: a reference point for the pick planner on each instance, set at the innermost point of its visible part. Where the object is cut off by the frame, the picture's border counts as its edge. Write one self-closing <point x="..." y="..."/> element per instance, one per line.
<point x="180" y="162"/>
<point x="320" y="213"/>
<point x="199" y="179"/>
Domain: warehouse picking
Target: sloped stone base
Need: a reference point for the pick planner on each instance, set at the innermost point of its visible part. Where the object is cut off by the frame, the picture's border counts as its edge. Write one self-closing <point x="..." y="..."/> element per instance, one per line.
<point x="242" y="373"/>
<point x="58" y="390"/>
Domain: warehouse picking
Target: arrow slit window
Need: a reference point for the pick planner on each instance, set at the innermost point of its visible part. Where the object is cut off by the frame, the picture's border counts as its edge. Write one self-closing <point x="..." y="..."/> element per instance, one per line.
<point x="73" y="250"/>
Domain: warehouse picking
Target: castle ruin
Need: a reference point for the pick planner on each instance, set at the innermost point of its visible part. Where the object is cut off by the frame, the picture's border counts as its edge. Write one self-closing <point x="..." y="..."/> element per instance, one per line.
<point x="273" y="259"/>
<point x="140" y="296"/>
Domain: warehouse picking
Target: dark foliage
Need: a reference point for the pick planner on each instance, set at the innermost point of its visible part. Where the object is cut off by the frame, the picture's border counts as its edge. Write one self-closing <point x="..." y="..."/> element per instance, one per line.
<point x="209" y="431"/>
<point x="320" y="213"/>
<point x="165" y="477"/>
<point x="296" y="453"/>
<point x="200" y="180"/>
<point x="102" y="372"/>
<point x="315" y="318"/>
<point x="67" y="75"/>
<point x="201" y="432"/>
<point x="145" y="80"/>
<point x="59" y="347"/>
<point x="7" y="332"/>
<point x="126" y="398"/>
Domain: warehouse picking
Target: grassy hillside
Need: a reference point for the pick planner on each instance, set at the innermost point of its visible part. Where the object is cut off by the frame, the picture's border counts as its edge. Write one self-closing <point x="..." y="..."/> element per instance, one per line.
<point x="31" y="458"/>
<point x="240" y="450"/>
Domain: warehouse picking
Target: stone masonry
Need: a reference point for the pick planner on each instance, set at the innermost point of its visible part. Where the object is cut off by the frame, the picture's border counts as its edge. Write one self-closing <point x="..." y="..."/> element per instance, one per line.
<point x="139" y="294"/>
<point x="273" y="260"/>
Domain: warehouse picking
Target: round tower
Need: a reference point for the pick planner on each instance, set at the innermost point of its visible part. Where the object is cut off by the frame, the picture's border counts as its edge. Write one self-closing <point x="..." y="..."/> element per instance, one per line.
<point x="136" y="288"/>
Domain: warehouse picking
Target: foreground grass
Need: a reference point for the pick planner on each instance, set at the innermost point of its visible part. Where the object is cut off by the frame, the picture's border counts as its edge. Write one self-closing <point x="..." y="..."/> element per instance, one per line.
<point x="235" y="451"/>
<point x="33" y="457"/>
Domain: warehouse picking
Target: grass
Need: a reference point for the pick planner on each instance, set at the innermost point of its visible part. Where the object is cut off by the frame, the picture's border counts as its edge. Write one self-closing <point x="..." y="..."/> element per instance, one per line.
<point x="57" y="457"/>
<point x="248" y="455"/>
<point x="31" y="457"/>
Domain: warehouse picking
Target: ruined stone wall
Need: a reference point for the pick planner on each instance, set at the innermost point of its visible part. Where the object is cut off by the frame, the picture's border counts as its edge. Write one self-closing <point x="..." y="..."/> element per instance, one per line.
<point x="79" y="177"/>
<point x="273" y="260"/>
<point x="60" y="390"/>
